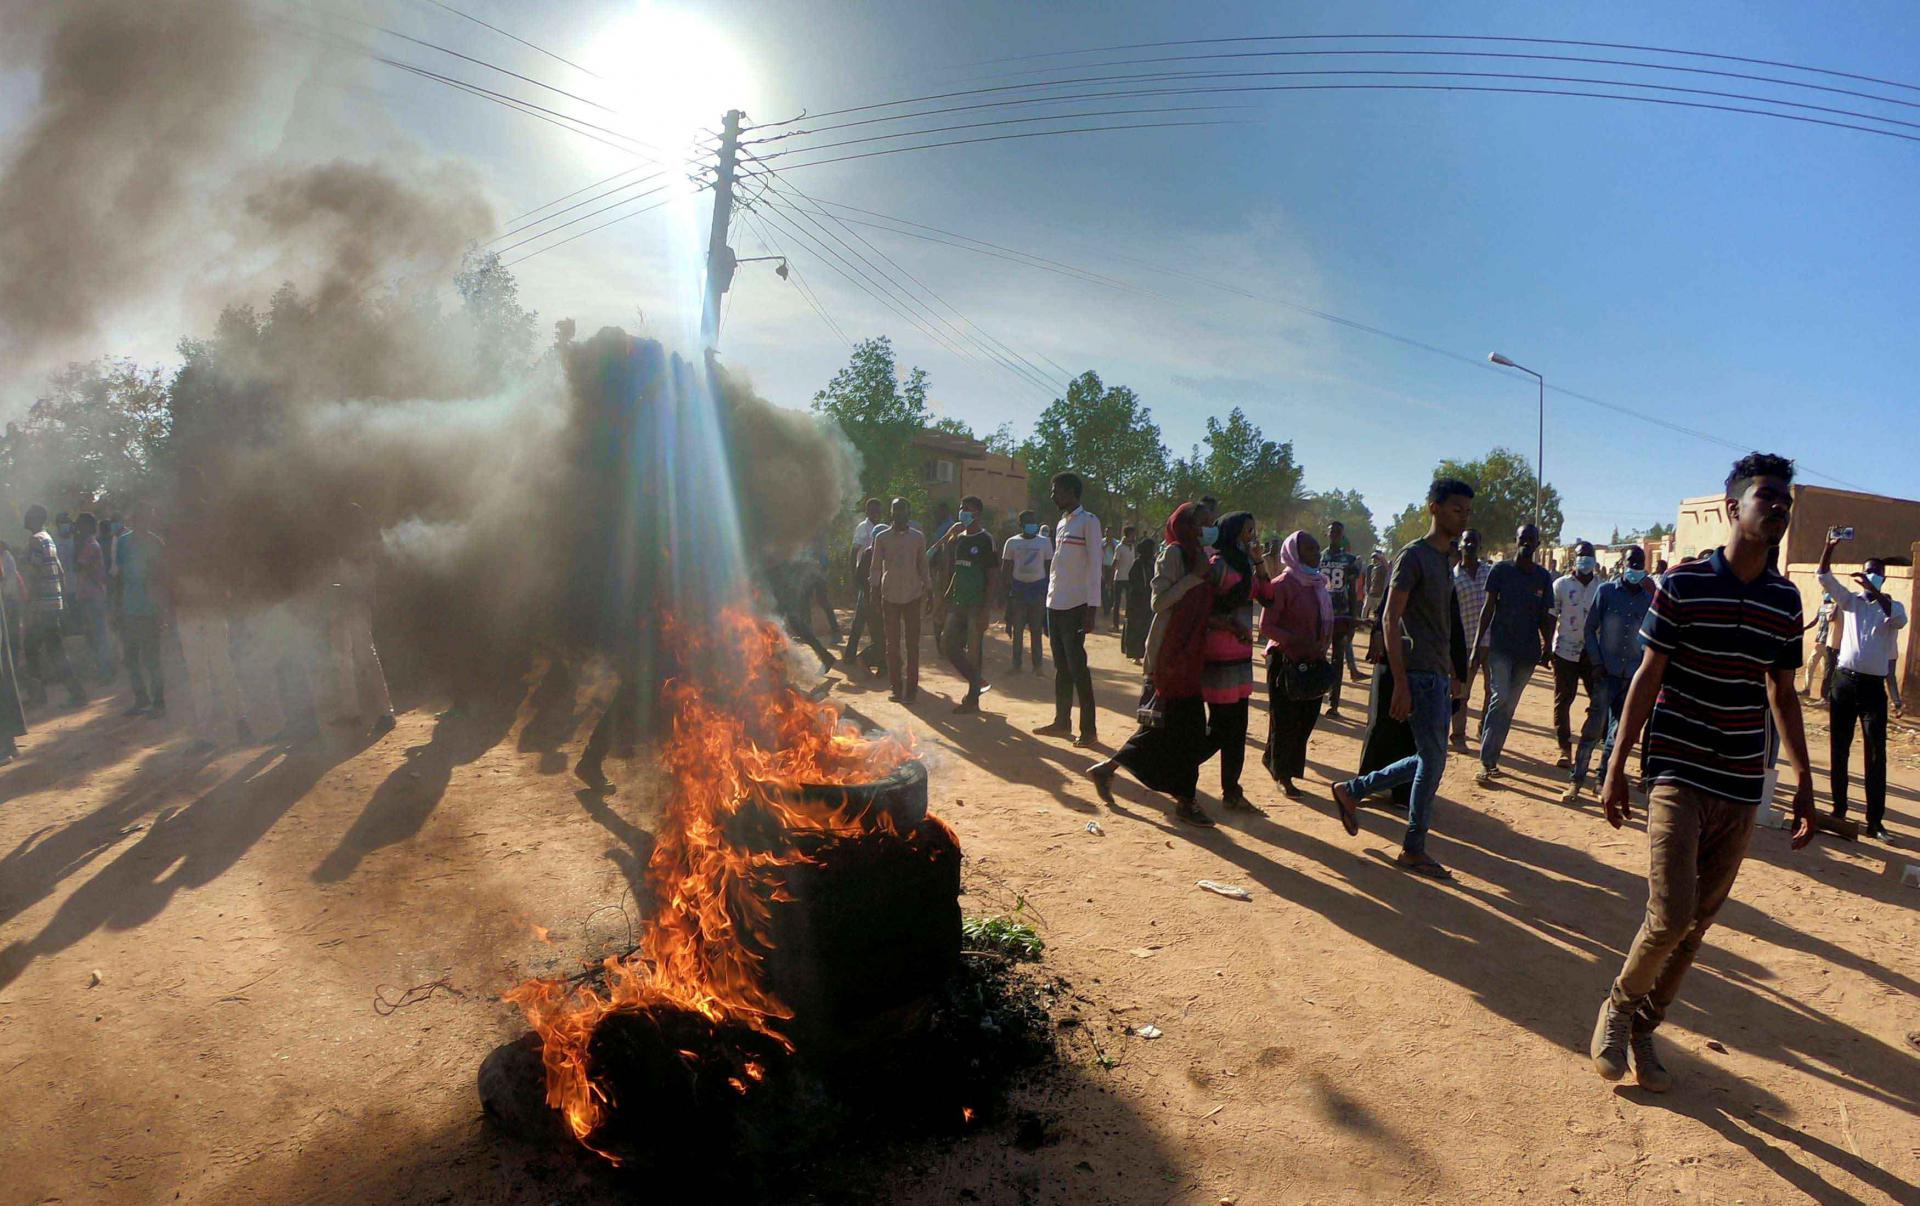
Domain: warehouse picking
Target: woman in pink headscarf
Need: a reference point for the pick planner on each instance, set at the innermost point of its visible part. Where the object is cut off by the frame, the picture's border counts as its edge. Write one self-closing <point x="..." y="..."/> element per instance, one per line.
<point x="1298" y="627"/>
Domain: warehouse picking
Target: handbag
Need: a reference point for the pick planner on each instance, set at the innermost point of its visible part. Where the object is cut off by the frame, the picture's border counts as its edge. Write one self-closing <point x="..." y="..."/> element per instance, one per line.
<point x="1308" y="678"/>
<point x="1152" y="712"/>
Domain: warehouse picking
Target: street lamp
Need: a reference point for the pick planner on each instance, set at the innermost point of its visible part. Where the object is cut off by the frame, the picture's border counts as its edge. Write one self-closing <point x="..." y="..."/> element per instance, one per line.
<point x="1539" y="473"/>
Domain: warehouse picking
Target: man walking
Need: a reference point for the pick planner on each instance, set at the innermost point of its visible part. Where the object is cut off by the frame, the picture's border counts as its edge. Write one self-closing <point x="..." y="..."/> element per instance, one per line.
<point x="1342" y="571"/>
<point x="1073" y="599"/>
<point x="1028" y="556"/>
<point x="46" y="648"/>
<point x="1572" y="599"/>
<point x="1824" y="619"/>
<point x="898" y="579"/>
<point x="1514" y="630"/>
<point x="1470" y="588"/>
<point x="1723" y="642"/>
<point x="971" y="561"/>
<point x="1614" y="649"/>
<point x="139" y="597"/>
<point x="1121" y="567"/>
<point x="1865" y="664"/>
<point x="90" y="592"/>
<point x="860" y="562"/>
<point x="1418" y="633"/>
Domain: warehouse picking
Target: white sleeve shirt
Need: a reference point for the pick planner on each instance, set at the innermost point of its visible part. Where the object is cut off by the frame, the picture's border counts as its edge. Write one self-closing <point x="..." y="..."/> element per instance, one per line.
<point x="1075" y="581"/>
<point x="1572" y="599"/>
<point x="1871" y="642"/>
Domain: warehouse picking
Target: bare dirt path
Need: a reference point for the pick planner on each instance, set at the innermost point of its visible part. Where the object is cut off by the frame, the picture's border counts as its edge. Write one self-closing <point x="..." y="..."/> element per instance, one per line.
<point x="1349" y="1033"/>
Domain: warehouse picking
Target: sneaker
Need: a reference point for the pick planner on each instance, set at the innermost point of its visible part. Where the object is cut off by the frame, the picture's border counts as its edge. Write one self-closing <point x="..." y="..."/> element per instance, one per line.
<point x="1612" y="1031"/>
<point x="1422" y="864"/>
<point x="1487" y="777"/>
<point x="1056" y="729"/>
<point x="1189" y="812"/>
<point x="1087" y="741"/>
<point x="1648" y="1072"/>
<point x="1564" y="760"/>
<point x="1880" y="834"/>
<point x="1571" y="795"/>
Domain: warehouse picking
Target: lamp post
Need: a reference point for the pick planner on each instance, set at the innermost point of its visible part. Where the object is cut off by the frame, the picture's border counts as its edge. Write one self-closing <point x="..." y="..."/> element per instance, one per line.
<point x="1539" y="473"/>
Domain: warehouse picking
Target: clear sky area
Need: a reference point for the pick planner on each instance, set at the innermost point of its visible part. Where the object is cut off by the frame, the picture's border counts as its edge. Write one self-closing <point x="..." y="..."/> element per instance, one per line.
<point x="1745" y="277"/>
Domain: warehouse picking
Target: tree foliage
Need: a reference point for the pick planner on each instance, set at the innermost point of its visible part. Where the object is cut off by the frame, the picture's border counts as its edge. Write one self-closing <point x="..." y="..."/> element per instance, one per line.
<point x="491" y="297"/>
<point x="94" y="434"/>
<point x="1317" y="510"/>
<point x="879" y="413"/>
<point x="1408" y="526"/>
<point x="1105" y="435"/>
<point x="1502" y="484"/>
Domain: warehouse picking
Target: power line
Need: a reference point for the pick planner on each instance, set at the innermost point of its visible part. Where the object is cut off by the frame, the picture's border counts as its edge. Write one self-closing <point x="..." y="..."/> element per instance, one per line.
<point x="583" y="234"/>
<point x="583" y="217"/>
<point x="565" y="121"/>
<point x="1369" y="37"/>
<point x="1025" y="369"/>
<point x="575" y="193"/>
<point x="769" y="247"/>
<point x="618" y="188"/>
<point x="956" y="142"/>
<point x="447" y="50"/>
<point x="513" y="37"/>
<point x="979" y="125"/>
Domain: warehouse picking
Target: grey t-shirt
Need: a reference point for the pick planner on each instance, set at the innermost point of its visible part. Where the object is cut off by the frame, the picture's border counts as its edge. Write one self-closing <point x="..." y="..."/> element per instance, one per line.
<point x="1422" y="571"/>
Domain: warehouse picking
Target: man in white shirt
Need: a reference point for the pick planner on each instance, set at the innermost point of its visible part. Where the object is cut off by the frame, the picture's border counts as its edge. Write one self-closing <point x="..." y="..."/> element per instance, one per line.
<point x="1117" y="571"/>
<point x="865" y="612"/>
<point x="1867" y="652"/>
<point x="1073" y="603"/>
<point x="1572" y="599"/>
<point x="1027" y="557"/>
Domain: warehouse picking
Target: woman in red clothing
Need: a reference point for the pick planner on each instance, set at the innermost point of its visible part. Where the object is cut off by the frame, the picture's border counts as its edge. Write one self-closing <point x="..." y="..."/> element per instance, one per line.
<point x="1226" y="683"/>
<point x="1298" y="627"/>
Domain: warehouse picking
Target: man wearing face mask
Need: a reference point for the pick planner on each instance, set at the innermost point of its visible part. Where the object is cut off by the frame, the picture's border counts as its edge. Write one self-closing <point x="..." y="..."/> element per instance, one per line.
<point x="1470" y="588"/>
<point x="971" y="560"/>
<point x="1028" y="555"/>
<point x="1572" y="600"/>
<point x="1867" y="652"/>
<point x="1514" y="631"/>
<point x="1614" y="649"/>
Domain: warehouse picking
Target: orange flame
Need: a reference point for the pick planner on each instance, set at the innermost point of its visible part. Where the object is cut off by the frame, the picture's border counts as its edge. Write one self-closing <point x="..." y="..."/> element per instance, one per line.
<point x="742" y="740"/>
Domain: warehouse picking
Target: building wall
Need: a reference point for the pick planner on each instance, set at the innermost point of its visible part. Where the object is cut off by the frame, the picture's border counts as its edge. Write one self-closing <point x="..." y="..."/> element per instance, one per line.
<point x="1884" y="527"/>
<point x="1001" y="483"/>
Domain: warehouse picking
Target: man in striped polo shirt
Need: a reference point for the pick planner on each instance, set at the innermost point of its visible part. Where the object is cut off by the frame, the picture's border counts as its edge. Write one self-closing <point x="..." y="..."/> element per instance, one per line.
<point x="1714" y="687"/>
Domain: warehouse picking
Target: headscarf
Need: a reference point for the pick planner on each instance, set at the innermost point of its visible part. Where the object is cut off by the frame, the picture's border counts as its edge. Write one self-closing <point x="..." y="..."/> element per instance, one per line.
<point x="1227" y="544"/>
<point x="1190" y="547"/>
<point x="1291" y="566"/>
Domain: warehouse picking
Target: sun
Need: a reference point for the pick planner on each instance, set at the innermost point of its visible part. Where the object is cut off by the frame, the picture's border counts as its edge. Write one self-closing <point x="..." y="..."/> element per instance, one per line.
<point x="670" y="76"/>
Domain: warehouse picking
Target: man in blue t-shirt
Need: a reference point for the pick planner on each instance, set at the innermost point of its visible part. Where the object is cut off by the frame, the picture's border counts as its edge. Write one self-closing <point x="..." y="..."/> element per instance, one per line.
<point x="1514" y="633"/>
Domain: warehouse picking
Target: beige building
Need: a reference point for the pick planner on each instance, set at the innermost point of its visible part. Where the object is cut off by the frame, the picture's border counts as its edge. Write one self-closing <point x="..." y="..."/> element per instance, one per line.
<point x="1887" y="528"/>
<point x="953" y="466"/>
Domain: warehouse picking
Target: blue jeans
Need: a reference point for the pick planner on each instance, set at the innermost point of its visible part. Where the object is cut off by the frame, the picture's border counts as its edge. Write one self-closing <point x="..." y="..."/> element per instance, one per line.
<point x="1432" y="709"/>
<point x="1610" y="692"/>
<point x="1506" y="678"/>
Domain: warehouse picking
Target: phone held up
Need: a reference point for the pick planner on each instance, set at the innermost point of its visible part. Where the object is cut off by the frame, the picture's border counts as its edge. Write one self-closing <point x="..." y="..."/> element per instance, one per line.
<point x="1840" y="533"/>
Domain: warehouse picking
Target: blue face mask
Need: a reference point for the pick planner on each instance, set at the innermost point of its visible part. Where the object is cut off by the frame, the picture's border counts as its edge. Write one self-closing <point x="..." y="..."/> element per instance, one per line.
<point x="966" y="517"/>
<point x="1586" y="565"/>
<point x="1636" y="576"/>
<point x="1031" y="529"/>
<point x="1209" y="534"/>
<point x="1877" y="580"/>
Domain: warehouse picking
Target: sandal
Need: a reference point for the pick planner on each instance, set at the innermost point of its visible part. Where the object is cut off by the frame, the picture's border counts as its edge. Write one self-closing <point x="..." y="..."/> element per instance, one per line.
<point x="1238" y="802"/>
<point x="1289" y="790"/>
<point x="1349" y="809"/>
<point x="1188" y="811"/>
<point x="1102" y="775"/>
<point x="1422" y="865"/>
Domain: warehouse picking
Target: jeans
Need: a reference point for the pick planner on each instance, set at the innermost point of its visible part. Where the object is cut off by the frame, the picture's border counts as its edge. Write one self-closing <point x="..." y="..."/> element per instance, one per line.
<point x="1609" y="696"/>
<point x="1568" y="678"/>
<point x="1506" y="678"/>
<point x="1860" y="698"/>
<point x="1432" y="705"/>
<point x="960" y="641"/>
<point x="1460" y="713"/>
<point x="141" y="636"/>
<point x="1342" y="650"/>
<point x="1071" y="676"/>
<point x="1028" y="618"/>
<point x="903" y="669"/>
<point x="1695" y="843"/>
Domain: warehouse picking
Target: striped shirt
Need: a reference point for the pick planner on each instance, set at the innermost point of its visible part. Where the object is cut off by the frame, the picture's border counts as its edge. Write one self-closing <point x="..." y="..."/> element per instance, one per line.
<point x="1711" y="727"/>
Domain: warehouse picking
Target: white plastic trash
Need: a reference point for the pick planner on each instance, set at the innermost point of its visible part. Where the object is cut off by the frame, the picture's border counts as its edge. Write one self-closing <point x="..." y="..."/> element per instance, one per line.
<point x="1773" y="818"/>
<point x="1228" y="890"/>
<point x="1911" y="876"/>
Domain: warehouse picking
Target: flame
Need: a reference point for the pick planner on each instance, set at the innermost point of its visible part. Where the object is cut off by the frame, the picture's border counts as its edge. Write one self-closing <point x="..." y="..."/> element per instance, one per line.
<point x="742" y="739"/>
<point x="966" y="1114"/>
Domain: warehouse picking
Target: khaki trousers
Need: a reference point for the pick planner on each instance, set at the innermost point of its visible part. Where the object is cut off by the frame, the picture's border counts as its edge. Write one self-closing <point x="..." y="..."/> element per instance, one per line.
<point x="1696" y="842"/>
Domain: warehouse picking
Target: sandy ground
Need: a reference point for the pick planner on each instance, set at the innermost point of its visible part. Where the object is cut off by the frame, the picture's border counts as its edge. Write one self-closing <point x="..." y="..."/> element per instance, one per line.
<point x="1350" y="1033"/>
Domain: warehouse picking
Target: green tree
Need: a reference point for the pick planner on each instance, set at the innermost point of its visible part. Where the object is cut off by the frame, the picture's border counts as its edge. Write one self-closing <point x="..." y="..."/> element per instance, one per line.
<point x="1002" y="442"/>
<point x="94" y="434"/>
<point x="1248" y="472"/>
<point x="1502" y="484"/>
<point x="491" y="298"/>
<point x="1408" y="526"/>
<point x="1106" y="436"/>
<point x="1317" y="510"/>
<point x="880" y="414"/>
<point x="949" y="425"/>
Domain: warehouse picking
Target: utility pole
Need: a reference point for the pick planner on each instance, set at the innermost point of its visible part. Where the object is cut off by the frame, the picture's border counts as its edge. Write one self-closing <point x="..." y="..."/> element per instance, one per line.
<point x="720" y="260"/>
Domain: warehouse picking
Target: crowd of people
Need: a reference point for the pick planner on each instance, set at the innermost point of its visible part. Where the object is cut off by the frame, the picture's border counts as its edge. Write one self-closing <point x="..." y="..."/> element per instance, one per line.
<point x="1694" y="666"/>
<point x="82" y="597"/>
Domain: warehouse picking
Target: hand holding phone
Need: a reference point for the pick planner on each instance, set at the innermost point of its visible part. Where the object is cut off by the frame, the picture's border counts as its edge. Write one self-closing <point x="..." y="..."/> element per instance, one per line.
<point x="1836" y="535"/>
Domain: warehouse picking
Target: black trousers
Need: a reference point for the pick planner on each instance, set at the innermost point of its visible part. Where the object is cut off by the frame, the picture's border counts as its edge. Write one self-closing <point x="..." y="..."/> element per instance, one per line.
<point x="140" y="636"/>
<point x="956" y="638"/>
<point x="1342" y="648"/>
<point x="1227" y="733"/>
<point x="1067" y="633"/>
<point x="1568" y="678"/>
<point x="1860" y="698"/>
<point x="866" y="622"/>
<point x="46" y="658"/>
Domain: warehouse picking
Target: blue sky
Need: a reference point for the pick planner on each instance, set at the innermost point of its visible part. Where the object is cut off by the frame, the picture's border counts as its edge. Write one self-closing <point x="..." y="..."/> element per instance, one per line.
<point x="1750" y="277"/>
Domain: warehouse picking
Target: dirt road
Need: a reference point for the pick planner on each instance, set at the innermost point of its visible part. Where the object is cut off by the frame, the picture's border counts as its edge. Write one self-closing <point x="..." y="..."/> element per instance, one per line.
<point x="1351" y="1032"/>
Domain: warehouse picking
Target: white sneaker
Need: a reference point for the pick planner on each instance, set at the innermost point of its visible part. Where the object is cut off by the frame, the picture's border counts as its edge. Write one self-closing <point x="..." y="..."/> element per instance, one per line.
<point x="1571" y="795"/>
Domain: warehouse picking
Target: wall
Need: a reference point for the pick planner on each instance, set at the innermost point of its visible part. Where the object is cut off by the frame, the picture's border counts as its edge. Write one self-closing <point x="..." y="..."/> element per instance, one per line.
<point x="1884" y="527"/>
<point x="1001" y="483"/>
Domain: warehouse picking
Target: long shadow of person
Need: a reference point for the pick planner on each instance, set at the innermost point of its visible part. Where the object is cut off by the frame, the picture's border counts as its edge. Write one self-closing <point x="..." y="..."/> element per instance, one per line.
<point x="407" y="797"/>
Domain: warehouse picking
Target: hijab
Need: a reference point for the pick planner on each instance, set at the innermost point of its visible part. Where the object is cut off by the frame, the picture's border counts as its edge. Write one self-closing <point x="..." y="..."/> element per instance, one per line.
<point x="1291" y="566"/>
<point x="1189" y="543"/>
<point x="1227" y="544"/>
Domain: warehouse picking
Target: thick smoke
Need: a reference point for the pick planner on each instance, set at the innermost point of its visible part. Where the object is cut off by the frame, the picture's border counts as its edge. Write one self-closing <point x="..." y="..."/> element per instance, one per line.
<point x="140" y="102"/>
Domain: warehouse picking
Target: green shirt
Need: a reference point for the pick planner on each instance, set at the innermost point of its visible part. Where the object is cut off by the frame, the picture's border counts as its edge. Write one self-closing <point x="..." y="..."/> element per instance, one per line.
<point x="974" y="558"/>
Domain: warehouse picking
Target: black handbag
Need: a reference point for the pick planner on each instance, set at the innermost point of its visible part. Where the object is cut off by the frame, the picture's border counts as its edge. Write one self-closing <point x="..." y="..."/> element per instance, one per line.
<point x="1152" y="712"/>
<point x="1306" y="679"/>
